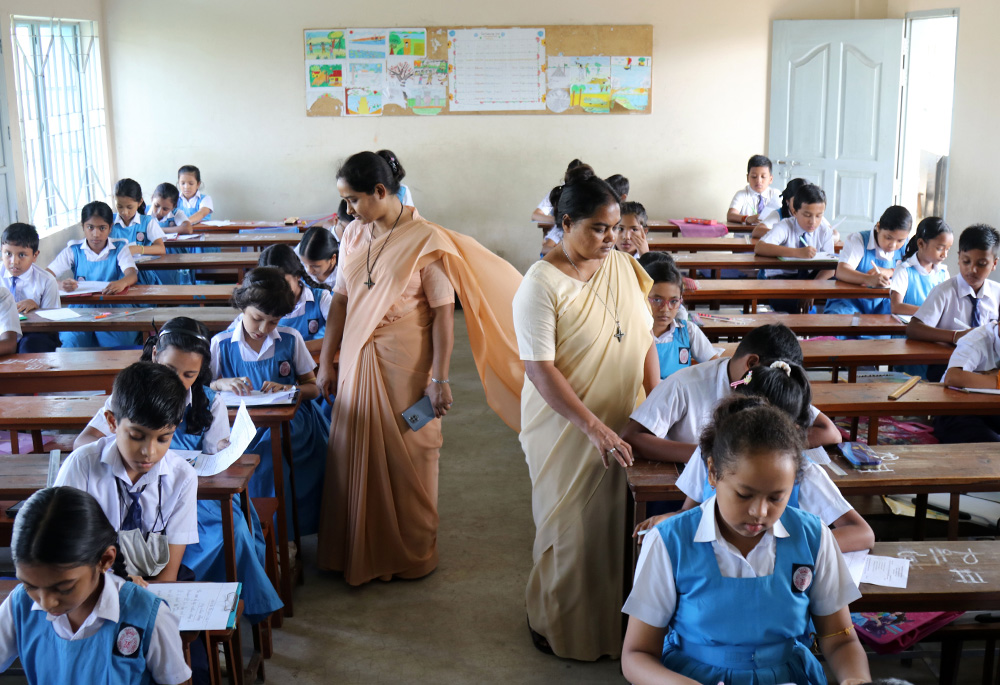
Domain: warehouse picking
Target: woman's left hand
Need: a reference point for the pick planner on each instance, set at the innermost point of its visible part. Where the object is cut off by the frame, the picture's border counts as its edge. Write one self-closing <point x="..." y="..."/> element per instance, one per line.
<point x="440" y="394"/>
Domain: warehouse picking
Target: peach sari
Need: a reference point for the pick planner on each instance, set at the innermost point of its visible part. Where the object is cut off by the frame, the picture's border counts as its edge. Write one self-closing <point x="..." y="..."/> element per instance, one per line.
<point x="379" y="513"/>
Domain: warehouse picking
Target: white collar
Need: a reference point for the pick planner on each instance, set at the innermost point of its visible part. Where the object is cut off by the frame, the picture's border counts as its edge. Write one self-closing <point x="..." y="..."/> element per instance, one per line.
<point x="964" y="289"/>
<point x="306" y="295"/>
<point x="113" y="458"/>
<point x="722" y="378"/>
<point x="239" y="337"/>
<point x="708" y="528"/>
<point x="23" y="278"/>
<point x="914" y="262"/>
<point x="672" y="328"/>
<point x="194" y="197"/>
<point x="134" y="222"/>
<point x="108" y="248"/>
<point x="107" y="607"/>
<point x="873" y="245"/>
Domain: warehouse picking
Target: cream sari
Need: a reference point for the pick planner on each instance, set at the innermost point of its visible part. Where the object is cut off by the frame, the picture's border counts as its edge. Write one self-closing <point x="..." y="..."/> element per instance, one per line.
<point x="574" y="592"/>
<point x="379" y="513"/>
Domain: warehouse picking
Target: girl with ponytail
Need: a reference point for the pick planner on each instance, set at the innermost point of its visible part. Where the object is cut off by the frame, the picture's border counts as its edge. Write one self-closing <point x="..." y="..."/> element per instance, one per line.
<point x="312" y="299"/>
<point x="922" y="267"/>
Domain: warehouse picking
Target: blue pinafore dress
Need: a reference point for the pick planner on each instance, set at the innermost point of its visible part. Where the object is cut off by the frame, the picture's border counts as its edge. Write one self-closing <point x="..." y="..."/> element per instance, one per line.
<point x="866" y="305"/>
<point x="707" y="643"/>
<point x="173" y="276"/>
<point x="115" y="654"/>
<point x="205" y="558"/>
<point x="311" y="323"/>
<point x="189" y="208"/>
<point x="676" y="354"/>
<point x="137" y="235"/>
<point x="918" y="287"/>
<point x="310" y="431"/>
<point x="106" y="269"/>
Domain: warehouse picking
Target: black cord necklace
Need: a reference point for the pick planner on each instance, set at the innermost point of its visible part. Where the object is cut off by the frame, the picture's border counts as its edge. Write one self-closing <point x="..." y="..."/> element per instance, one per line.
<point x="371" y="239"/>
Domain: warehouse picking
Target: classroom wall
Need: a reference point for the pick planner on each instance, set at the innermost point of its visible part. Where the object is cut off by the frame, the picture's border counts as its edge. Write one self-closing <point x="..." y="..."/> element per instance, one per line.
<point x="231" y="74"/>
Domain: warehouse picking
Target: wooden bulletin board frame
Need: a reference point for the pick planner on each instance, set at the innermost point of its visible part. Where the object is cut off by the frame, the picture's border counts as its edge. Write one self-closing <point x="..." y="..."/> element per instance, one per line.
<point x="575" y="40"/>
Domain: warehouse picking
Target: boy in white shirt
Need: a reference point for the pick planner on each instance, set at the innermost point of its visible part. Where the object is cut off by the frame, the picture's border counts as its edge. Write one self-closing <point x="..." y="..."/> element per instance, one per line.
<point x="31" y="286"/>
<point x="750" y="203"/>
<point x="973" y="364"/>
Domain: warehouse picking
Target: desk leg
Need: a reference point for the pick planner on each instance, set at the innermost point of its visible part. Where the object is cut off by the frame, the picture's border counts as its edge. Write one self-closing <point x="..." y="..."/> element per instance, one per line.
<point x="228" y="537"/>
<point x="835" y="374"/>
<point x="953" y="513"/>
<point x="872" y="430"/>
<point x="855" y="423"/>
<point x="852" y="374"/>
<point x="920" y="518"/>
<point x="286" y="450"/>
<point x="281" y="534"/>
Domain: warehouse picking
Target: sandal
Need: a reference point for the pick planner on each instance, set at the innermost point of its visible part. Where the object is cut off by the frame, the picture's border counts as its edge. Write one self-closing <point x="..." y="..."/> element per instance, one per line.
<point x="541" y="644"/>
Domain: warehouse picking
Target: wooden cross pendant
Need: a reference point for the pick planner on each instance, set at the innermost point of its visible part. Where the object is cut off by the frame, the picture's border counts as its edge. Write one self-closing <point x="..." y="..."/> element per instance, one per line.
<point x="369" y="282"/>
<point x="618" y="333"/>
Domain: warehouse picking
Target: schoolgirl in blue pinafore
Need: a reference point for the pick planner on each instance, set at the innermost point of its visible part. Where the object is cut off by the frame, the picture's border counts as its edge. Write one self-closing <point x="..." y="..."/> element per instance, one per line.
<point x="867" y="305"/>
<point x="138" y="234"/>
<point x="676" y="354"/>
<point x="106" y="269"/>
<point x="310" y="430"/>
<point x="311" y="321"/>
<point x="206" y="559"/>
<point x="48" y="658"/>
<point x="759" y="647"/>
<point x="190" y="207"/>
<point x="173" y="276"/>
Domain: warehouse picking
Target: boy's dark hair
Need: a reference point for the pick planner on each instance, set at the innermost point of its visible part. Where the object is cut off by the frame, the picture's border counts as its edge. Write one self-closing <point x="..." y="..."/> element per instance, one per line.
<point x="99" y="209"/>
<point x="283" y="257"/>
<point x="190" y="169"/>
<point x="318" y="244"/>
<point x="581" y="196"/>
<point x="928" y="229"/>
<point x="743" y="425"/>
<point x="150" y="395"/>
<point x="266" y="289"/>
<point x="758" y="161"/>
<point x="895" y="218"/>
<point x="342" y="212"/>
<point x="654" y="256"/>
<point x="635" y="209"/>
<point x="188" y="335"/>
<point x="770" y="343"/>
<point x="365" y="170"/>
<point x="788" y="391"/>
<point x="808" y="194"/>
<point x="619" y="183"/>
<point x="979" y="237"/>
<point x="131" y="189"/>
<point x="21" y="235"/>
<point x="662" y="271"/>
<point x="169" y="192"/>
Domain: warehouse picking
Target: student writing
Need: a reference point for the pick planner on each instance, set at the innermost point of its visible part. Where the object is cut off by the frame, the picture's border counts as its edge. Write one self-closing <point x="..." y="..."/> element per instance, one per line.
<point x="749" y="204"/>
<point x="196" y="205"/>
<point x="318" y="251"/>
<point x="312" y="299"/>
<point x="975" y="363"/>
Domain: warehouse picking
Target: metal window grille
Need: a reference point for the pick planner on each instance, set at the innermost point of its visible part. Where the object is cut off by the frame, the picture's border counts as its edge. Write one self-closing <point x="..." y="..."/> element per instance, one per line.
<point x="64" y="135"/>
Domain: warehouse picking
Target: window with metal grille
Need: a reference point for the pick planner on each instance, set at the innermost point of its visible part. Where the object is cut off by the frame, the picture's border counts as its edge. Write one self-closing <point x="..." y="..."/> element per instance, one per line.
<point x="60" y="101"/>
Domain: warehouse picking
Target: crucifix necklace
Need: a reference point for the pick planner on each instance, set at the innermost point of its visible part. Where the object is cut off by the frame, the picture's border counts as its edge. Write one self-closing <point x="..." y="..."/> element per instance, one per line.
<point x="371" y="239"/>
<point x="619" y="333"/>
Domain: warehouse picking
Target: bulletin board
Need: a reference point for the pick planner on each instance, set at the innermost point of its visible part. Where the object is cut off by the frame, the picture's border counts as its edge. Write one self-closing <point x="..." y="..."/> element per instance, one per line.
<point x="442" y="70"/>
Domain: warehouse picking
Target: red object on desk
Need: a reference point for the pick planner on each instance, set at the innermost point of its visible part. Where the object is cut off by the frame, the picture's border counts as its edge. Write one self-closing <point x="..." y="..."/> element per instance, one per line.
<point x="700" y="228"/>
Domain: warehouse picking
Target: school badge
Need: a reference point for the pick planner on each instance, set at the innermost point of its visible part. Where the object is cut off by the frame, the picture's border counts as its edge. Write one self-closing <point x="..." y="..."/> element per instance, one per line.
<point x="140" y="237"/>
<point x="802" y="577"/>
<point x="285" y="369"/>
<point x="685" y="355"/>
<point x="129" y="639"/>
<point x="313" y="326"/>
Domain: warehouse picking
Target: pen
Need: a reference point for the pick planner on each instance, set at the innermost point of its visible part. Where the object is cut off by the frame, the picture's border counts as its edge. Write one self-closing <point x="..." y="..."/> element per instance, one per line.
<point x="102" y="315"/>
<point x="803" y="241"/>
<point x="714" y="317"/>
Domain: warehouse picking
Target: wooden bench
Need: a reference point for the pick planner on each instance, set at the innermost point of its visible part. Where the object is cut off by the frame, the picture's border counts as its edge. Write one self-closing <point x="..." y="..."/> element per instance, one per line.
<point x="257" y="241"/>
<point x="240" y="262"/>
<point x="735" y="244"/>
<point x="716" y="261"/>
<point x="749" y="292"/>
<point x="140" y="319"/>
<point x="735" y="326"/>
<point x="157" y="295"/>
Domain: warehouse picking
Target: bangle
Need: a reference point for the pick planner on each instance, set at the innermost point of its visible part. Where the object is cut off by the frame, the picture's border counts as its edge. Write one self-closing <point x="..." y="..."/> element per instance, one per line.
<point x="954" y="336"/>
<point x="142" y="249"/>
<point x="435" y="380"/>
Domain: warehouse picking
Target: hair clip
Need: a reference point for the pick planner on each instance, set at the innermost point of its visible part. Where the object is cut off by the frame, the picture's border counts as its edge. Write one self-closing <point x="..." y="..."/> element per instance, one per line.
<point x="742" y="381"/>
<point x="783" y="366"/>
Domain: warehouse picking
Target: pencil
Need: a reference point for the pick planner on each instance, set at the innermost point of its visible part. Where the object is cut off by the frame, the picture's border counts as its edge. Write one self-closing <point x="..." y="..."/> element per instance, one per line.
<point x="904" y="388"/>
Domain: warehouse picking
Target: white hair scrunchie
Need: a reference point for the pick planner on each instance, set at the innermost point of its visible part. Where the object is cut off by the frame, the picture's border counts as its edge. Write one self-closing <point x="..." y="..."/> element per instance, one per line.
<point x="783" y="366"/>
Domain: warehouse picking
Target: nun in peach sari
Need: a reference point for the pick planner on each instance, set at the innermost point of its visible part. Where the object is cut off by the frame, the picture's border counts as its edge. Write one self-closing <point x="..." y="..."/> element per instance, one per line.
<point x="583" y="331"/>
<point x="392" y="320"/>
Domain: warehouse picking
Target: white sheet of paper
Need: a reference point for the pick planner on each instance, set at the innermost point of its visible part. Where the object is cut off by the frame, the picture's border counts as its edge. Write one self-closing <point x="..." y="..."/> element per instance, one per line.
<point x="981" y="391"/>
<point x="84" y="287"/>
<point x="817" y="455"/>
<point x="240" y="437"/>
<point x="856" y="564"/>
<point x="217" y="222"/>
<point x="258" y="398"/>
<point x="190" y="456"/>
<point x="819" y="255"/>
<point x="183" y="236"/>
<point x="63" y="314"/>
<point x="199" y="606"/>
<point x="886" y="571"/>
<point x="903" y="318"/>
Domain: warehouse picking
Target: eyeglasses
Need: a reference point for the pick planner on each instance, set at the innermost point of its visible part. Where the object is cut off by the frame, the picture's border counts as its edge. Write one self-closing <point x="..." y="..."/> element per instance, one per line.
<point x="672" y="303"/>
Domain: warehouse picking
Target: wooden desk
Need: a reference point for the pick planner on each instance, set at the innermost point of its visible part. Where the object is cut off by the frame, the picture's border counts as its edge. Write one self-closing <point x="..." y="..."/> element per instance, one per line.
<point x="854" y="353"/>
<point x="925" y="399"/>
<point x="716" y="261"/>
<point x="657" y="226"/>
<point x="240" y="262"/>
<point x="158" y="295"/>
<point x="802" y="324"/>
<point x="734" y="244"/>
<point x="64" y="371"/>
<point x="749" y="291"/>
<point x="237" y="226"/>
<point x="254" y="240"/>
<point x="140" y="319"/>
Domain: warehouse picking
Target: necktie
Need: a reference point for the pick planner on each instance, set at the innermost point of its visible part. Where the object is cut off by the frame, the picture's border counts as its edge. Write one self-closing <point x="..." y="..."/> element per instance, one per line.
<point x="760" y="203"/>
<point x="13" y="287"/>
<point x="974" y="319"/>
<point x="133" y="517"/>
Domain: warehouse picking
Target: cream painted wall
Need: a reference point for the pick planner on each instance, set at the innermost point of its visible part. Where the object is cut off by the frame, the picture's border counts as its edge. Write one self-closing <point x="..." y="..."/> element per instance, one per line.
<point x="230" y="75"/>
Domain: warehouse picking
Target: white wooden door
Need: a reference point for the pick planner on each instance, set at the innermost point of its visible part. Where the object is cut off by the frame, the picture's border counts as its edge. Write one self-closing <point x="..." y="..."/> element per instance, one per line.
<point x="834" y="117"/>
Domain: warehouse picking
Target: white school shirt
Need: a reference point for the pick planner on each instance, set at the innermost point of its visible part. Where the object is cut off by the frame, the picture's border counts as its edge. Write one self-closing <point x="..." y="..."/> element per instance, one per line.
<point x="545" y="206"/>
<point x="219" y="430"/>
<point x="788" y="233"/>
<point x="817" y="492"/>
<point x="164" y="658"/>
<point x="187" y="206"/>
<point x="701" y="348"/>
<point x="65" y="261"/>
<point x="171" y="486"/>
<point x="900" y="282"/>
<point x="653" y="599"/>
<point x="745" y="200"/>
<point x="153" y="230"/>
<point x="306" y="296"/>
<point x="235" y="334"/>
<point x="682" y="403"/>
<point x="854" y="249"/>
<point x="948" y="301"/>
<point x="36" y="284"/>
<point x="978" y="351"/>
<point x="9" y="318"/>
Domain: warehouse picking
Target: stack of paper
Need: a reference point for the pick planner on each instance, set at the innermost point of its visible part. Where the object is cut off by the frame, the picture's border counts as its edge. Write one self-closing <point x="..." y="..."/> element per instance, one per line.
<point x="63" y="314"/>
<point x="885" y="571"/>
<point x="201" y="606"/>
<point x="183" y="236"/>
<point x="258" y="398"/>
<point x="84" y="288"/>
<point x="215" y="222"/>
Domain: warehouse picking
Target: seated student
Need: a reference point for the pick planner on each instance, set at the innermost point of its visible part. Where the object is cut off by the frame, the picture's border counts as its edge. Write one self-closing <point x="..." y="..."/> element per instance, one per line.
<point x="132" y="224"/>
<point x="964" y="302"/>
<point x="147" y="491"/>
<point x="163" y="210"/>
<point x="632" y="237"/>
<point x="75" y="618"/>
<point x="31" y="286"/>
<point x="183" y="346"/>
<point x="678" y="342"/>
<point x="96" y="258"/>
<point x="775" y="213"/>
<point x="743" y="550"/>
<point x="197" y="207"/>
<point x="665" y="427"/>
<point x="10" y="324"/>
<point x="975" y="363"/>
<point x="318" y="251"/>
<point x="922" y="268"/>
<point x="312" y="299"/>
<point x="786" y="386"/>
<point x="658" y="256"/>
<point x="869" y="258"/>
<point x="802" y="236"/>
<point x="543" y="214"/>
<point x="749" y="204"/>
<point x="619" y="184"/>
<point x="258" y="354"/>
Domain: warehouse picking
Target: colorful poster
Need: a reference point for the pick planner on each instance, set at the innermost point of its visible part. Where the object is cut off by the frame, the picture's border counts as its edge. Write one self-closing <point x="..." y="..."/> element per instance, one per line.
<point x="496" y="70"/>
<point x="366" y="75"/>
<point x="557" y="100"/>
<point x="631" y="72"/>
<point x="592" y="97"/>
<point x="408" y="42"/>
<point x="363" y="102"/>
<point x="565" y="71"/>
<point x="420" y="84"/>
<point x="324" y="74"/>
<point x="325" y="44"/>
<point x="325" y="96"/>
<point x="368" y="44"/>
<point x="632" y="98"/>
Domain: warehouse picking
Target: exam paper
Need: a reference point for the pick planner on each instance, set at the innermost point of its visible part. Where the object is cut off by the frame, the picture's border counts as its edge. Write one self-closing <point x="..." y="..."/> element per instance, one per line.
<point x="886" y="571"/>
<point x="85" y="287"/>
<point x="258" y="398"/>
<point x="217" y="222"/>
<point x="63" y="314"/>
<point x="240" y="438"/>
<point x="981" y="391"/>
<point x="826" y="256"/>
<point x="856" y="564"/>
<point x="183" y="236"/>
<point x="199" y="606"/>
<point x="817" y="455"/>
